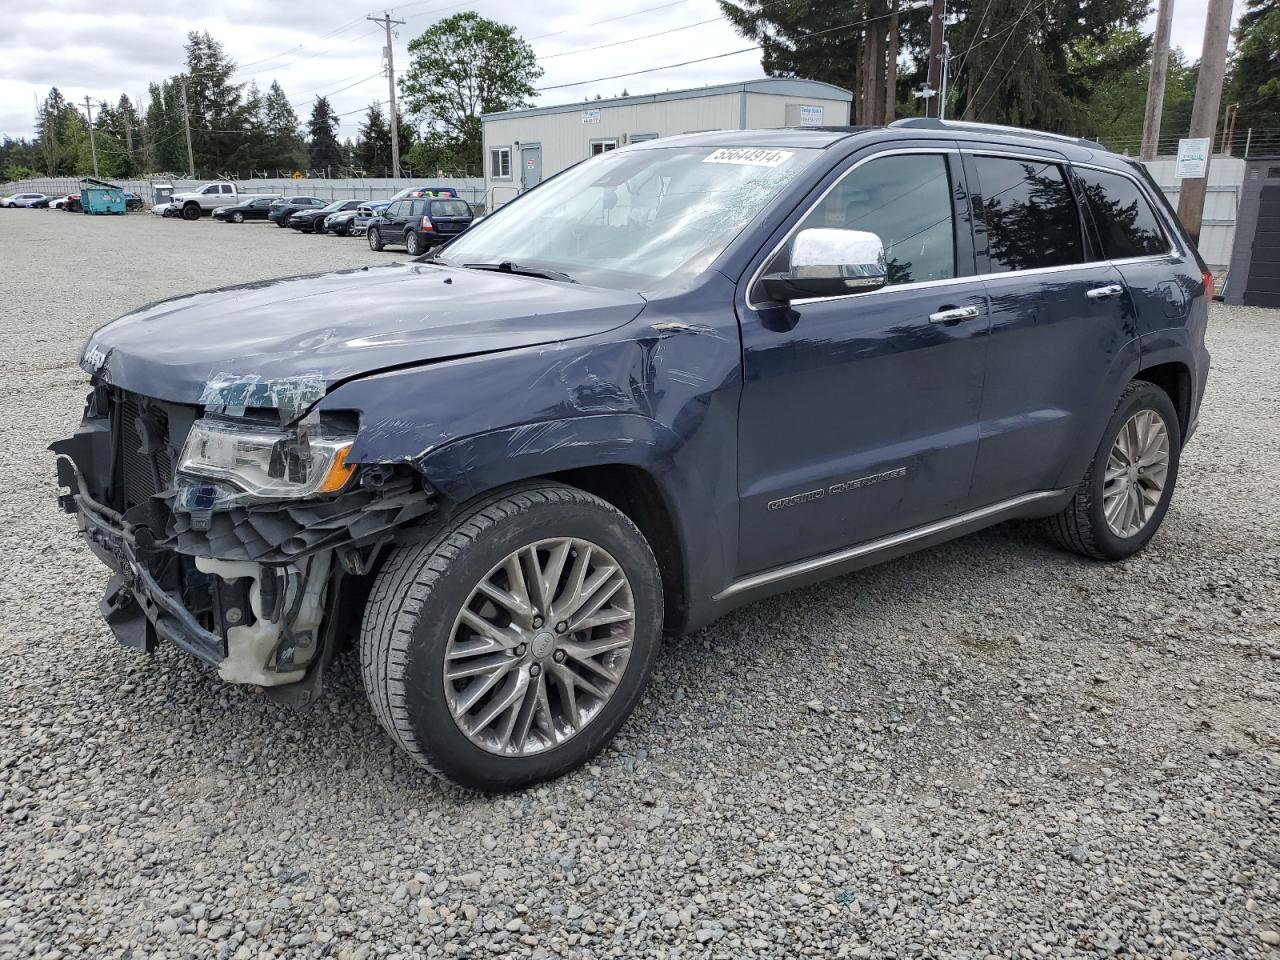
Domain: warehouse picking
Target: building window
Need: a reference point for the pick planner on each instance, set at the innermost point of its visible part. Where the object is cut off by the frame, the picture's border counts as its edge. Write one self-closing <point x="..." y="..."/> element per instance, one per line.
<point x="500" y="163"/>
<point x="603" y="146"/>
<point x="642" y="137"/>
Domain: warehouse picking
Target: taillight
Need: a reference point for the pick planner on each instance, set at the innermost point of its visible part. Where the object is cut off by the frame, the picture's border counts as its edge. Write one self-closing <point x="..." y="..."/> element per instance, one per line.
<point x="1208" y="285"/>
<point x="427" y="224"/>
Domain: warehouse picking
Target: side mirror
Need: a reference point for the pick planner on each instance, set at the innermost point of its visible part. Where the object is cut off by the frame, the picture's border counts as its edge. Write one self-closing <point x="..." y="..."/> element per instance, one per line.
<point x="828" y="263"/>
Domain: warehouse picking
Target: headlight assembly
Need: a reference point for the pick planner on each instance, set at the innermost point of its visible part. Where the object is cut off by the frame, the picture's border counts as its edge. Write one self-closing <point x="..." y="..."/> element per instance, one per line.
<point x="267" y="462"/>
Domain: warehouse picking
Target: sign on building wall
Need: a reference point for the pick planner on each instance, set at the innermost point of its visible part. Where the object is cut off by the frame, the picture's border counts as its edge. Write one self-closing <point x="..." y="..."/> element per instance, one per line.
<point x="590" y="116"/>
<point x="1193" y="158"/>
<point x="805" y="115"/>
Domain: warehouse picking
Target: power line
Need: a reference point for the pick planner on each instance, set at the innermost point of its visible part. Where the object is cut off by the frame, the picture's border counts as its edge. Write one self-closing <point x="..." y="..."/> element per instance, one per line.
<point x="717" y="56"/>
<point x="619" y="43"/>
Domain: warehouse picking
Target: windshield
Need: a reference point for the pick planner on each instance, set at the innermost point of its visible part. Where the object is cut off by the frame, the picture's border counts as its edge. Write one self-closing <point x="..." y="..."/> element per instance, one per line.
<point x="630" y="218"/>
<point x="336" y="205"/>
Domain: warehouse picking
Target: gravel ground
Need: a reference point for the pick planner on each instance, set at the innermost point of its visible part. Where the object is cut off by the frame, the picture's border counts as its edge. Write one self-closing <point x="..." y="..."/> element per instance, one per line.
<point x="987" y="749"/>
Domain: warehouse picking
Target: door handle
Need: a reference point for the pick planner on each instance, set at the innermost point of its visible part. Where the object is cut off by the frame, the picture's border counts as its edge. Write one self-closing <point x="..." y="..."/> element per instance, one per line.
<point x="1102" y="293"/>
<point x="953" y="315"/>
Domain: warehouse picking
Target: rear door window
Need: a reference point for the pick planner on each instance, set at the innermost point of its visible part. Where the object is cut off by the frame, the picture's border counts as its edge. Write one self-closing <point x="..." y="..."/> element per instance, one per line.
<point x="1126" y="224"/>
<point x="1030" y="215"/>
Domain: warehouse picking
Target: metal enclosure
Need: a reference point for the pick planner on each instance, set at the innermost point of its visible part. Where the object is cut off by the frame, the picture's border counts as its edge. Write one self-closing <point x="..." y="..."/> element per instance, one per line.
<point x="1254" y="279"/>
<point x="560" y="136"/>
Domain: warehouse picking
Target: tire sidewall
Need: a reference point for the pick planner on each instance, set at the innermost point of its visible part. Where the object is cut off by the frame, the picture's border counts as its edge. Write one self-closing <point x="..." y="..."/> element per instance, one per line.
<point x="191" y="212"/>
<point x="237" y="217"/>
<point x="429" y="715"/>
<point x="375" y="239"/>
<point x="1146" y="397"/>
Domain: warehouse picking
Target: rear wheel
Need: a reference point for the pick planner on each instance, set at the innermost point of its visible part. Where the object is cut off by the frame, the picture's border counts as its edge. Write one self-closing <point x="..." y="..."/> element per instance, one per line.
<point x="375" y="239"/>
<point x="1123" y="498"/>
<point x="413" y="243"/>
<point x="512" y="645"/>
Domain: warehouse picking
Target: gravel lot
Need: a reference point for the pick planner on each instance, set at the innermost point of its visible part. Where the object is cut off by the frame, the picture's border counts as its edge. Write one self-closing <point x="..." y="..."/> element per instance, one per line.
<point x="988" y="749"/>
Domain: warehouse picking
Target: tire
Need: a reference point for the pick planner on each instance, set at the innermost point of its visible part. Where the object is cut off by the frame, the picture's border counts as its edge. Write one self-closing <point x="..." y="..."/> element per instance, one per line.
<point x="413" y="243"/>
<point x="1083" y="527"/>
<point x="375" y="240"/>
<point x="412" y="622"/>
<point x="237" y="217"/>
<point x="343" y="231"/>
<point x="191" y="212"/>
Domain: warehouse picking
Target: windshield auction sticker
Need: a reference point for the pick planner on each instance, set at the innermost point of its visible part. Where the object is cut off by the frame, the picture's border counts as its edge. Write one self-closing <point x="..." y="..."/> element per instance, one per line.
<point x="749" y="156"/>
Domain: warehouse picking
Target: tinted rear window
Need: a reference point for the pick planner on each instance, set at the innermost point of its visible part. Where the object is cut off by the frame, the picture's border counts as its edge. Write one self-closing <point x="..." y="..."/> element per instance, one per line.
<point x="1030" y="214"/>
<point x="450" y="208"/>
<point x="1126" y="224"/>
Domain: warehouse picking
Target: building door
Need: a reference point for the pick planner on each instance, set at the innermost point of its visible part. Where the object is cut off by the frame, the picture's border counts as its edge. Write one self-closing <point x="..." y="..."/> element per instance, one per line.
<point x="530" y="165"/>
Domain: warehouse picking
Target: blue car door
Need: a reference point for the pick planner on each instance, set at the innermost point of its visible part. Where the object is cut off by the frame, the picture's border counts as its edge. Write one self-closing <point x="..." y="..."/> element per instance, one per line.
<point x="1062" y="326"/>
<point x="859" y="412"/>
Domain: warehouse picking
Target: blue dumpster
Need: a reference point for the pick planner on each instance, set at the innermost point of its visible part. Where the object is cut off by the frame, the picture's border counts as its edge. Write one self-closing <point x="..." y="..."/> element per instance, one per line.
<point x="98" y="196"/>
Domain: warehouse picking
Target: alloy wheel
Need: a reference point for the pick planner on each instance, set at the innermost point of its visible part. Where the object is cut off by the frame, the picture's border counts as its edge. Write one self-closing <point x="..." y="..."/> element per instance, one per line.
<point x="1136" y="474"/>
<point x="540" y="647"/>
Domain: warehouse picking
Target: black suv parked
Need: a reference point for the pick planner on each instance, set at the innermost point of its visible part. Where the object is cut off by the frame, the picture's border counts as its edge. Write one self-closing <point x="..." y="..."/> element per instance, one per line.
<point x="673" y="379"/>
<point x="310" y="221"/>
<point x="419" y="223"/>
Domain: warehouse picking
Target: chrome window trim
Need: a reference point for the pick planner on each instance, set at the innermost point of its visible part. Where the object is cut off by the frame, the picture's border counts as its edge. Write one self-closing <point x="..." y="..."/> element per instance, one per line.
<point x="1174" y="245"/>
<point x="755" y="276"/>
<point x="1175" y="251"/>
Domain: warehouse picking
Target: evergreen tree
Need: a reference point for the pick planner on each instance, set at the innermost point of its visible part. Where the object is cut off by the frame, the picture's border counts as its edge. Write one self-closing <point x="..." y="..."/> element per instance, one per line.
<point x="284" y="149"/>
<point x="164" y="145"/>
<point x="324" y="151"/>
<point x="51" y="134"/>
<point x="1012" y="61"/>
<point x="1255" y="71"/>
<point x="373" y="143"/>
<point x="218" y="116"/>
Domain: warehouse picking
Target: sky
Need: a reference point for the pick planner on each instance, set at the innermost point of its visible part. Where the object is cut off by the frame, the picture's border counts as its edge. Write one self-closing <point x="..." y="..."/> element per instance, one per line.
<point x="102" y="49"/>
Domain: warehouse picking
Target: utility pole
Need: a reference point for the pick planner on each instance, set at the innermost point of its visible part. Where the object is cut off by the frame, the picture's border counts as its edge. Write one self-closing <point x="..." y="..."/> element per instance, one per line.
<point x="942" y="91"/>
<point x="1155" y="89"/>
<point x="1204" y="114"/>
<point x="186" y="125"/>
<point x="93" y="147"/>
<point x="387" y="23"/>
<point x="932" y="105"/>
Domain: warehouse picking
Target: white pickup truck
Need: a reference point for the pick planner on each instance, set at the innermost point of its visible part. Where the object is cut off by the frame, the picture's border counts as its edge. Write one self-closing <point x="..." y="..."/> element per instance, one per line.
<point x="206" y="198"/>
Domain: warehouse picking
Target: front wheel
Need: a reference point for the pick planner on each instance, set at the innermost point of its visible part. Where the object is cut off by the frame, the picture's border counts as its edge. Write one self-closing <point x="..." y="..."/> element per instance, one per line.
<point x="1124" y="496"/>
<point x="191" y="212"/>
<point x="512" y="645"/>
<point x="237" y="217"/>
<point x="375" y="240"/>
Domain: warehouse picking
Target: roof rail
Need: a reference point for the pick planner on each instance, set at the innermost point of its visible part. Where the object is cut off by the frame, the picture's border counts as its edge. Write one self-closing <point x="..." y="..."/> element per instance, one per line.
<point x="931" y="123"/>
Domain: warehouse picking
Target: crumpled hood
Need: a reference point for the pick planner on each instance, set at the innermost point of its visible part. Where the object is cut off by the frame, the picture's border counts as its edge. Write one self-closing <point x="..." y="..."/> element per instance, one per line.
<point x="296" y="337"/>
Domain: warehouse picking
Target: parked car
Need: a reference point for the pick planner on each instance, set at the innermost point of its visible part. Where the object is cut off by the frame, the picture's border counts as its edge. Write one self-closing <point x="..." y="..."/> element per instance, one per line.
<point x="58" y="203"/>
<point x="312" y="221"/>
<point x="72" y="204"/>
<point x="359" y="224"/>
<point x="41" y="204"/>
<point x="164" y="210"/>
<point x="281" y="210"/>
<point x="418" y="224"/>
<point x="23" y="200"/>
<point x="675" y="378"/>
<point x="206" y="198"/>
<point x="132" y="201"/>
<point x="340" y="223"/>
<point x="413" y="193"/>
<point x="249" y="208"/>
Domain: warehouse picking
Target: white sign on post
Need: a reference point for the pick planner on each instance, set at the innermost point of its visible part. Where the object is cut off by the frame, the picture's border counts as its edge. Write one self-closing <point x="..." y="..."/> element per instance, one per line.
<point x="1193" y="158"/>
<point x="810" y="116"/>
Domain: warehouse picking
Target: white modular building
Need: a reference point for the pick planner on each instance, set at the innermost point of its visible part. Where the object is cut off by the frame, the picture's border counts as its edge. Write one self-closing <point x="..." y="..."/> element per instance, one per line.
<point x="524" y="147"/>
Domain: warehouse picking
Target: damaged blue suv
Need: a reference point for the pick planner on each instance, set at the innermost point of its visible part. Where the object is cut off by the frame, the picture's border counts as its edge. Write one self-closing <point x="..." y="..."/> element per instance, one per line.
<point x="721" y="366"/>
